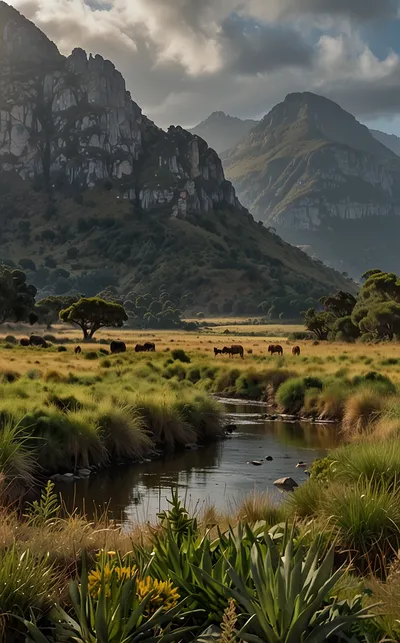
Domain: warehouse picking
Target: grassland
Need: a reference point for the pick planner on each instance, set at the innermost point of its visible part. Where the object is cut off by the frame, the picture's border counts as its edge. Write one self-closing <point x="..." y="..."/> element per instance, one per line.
<point x="63" y="411"/>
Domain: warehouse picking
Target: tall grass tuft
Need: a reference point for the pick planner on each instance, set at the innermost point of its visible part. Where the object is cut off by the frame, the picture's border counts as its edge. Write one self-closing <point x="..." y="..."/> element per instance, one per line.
<point x="203" y="414"/>
<point x="306" y="500"/>
<point x="290" y="395"/>
<point x="258" y="507"/>
<point x="361" y="410"/>
<point x="370" y="461"/>
<point x="365" y="520"/>
<point x="123" y="431"/>
<point x="164" y="420"/>
<point x="27" y="586"/>
<point x="331" y="401"/>
<point x="17" y="462"/>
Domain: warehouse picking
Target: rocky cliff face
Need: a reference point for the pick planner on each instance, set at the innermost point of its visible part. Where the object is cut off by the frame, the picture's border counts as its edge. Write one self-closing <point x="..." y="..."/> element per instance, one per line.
<point x="70" y="123"/>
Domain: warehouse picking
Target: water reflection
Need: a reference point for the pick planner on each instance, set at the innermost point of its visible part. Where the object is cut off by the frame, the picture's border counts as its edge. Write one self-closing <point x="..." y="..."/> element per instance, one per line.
<point x="217" y="474"/>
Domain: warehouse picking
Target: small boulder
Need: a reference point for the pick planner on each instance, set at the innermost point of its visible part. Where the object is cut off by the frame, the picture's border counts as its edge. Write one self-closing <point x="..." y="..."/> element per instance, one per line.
<point x="84" y="473"/>
<point x="257" y="463"/>
<point x="287" y="483"/>
<point x="269" y="458"/>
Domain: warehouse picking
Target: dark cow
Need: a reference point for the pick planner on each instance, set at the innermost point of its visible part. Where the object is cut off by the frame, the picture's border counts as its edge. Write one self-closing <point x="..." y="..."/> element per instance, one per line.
<point x="234" y="350"/>
<point x="117" y="347"/>
<point x="217" y="351"/>
<point x="78" y="350"/>
<point x="36" y="340"/>
<point x="296" y="351"/>
<point x="24" y="341"/>
<point x="148" y="347"/>
<point x="275" y="348"/>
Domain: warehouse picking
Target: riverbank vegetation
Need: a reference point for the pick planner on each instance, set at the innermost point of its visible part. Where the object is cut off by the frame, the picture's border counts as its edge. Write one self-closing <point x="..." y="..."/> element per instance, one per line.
<point x="65" y="578"/>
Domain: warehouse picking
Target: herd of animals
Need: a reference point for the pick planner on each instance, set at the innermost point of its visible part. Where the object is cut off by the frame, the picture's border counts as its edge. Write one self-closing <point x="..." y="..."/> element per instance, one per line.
<point x="273" y="349"/>
<point x="149" y="347"/>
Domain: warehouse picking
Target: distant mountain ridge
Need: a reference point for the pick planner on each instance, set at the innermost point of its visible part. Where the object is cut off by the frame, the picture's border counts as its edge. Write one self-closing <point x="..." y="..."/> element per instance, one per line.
<point x="96" y="195"/>
<point x="308" y="168"/>
<point x="391" y="141"/>
<point x="222" y="132"/>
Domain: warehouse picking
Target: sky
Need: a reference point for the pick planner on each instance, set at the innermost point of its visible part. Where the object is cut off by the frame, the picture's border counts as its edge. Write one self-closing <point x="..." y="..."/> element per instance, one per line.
<point x="183" y="59"/>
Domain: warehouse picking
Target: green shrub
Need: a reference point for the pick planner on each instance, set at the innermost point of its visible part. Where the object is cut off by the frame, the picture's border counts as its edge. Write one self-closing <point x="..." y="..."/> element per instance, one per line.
<point x="10" y="339"/>
<point x="91" y="355"/>
<point x="178" y="354"/>
<point x="290" y="395"/>
<point x="366" y="523"/>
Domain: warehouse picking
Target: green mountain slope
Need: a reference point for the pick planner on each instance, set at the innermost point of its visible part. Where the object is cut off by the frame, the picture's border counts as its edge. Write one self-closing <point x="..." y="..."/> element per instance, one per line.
<point x="222" y="132"/>
<point x="93" y="194"/>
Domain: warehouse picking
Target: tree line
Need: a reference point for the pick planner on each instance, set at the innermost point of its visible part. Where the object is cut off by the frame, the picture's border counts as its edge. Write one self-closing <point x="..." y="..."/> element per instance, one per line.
<point x="373" y="315"/>
<point x="107" y="309"/>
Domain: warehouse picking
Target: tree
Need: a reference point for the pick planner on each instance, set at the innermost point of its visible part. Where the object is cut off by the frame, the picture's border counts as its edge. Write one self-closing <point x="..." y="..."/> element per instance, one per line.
<point x="48" y="309"/>
<point x="345" y="330"/>
<point x="17" y="299"/>
<point x="382" y="320"/>
<point x="319" y="323"/>
<point x="91" y="314"/>
<point x="340" y="305"/>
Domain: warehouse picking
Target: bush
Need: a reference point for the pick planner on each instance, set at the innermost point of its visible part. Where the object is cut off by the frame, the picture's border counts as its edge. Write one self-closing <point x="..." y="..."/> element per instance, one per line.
<point x="9" y="376"/>
<point x="61" y="349"/>
<point x="178" y="354"/>
<point x="290" y="395"/>
<point x="371" y="461"/>
<point x="10" y="339"/>
<point x="361" y="410"/>
<point x="306" y="500"/>
<point x="91" y="355"/>
<point x="366" y="523"/>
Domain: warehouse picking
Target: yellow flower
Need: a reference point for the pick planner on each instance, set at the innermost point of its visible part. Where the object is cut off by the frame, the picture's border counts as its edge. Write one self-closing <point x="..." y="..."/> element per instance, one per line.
<point x="108" y="574"/>
<point x="165" y="595"/>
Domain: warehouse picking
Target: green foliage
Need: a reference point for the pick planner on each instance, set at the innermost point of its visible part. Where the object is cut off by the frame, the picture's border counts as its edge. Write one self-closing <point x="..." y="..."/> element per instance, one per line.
<point x="290" y="395"/>
<point x="92" y="314"/>
<point x="17" y="299"/>
<point x="179" y="354"/>
<point x="319" y="323"/>
<point x="46" y="510"/>
<point x="290" y="601"/>
<point x="116" y="615"/>
<point x="27" y="583"/>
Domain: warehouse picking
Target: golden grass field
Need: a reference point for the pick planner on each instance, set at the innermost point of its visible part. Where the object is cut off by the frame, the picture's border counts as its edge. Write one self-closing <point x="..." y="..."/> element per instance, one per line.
<point x="343" y="360"/>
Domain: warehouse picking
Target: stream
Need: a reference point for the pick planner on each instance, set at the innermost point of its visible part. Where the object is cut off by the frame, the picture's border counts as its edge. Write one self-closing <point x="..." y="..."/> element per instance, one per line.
<point x="220" y="474"/>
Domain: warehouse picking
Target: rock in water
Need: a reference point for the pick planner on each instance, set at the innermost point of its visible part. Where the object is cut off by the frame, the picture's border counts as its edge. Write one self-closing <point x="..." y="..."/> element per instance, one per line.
<point x="287" y="483"/>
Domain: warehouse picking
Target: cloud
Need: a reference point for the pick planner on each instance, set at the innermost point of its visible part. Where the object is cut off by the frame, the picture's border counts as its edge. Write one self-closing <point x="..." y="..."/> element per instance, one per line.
<point x="183" y="59"/>
<point x="253" y="47"/>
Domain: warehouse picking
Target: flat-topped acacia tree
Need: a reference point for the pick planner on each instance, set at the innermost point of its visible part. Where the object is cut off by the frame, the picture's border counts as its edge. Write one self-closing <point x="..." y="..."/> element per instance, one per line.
<point x="93" y="313"/>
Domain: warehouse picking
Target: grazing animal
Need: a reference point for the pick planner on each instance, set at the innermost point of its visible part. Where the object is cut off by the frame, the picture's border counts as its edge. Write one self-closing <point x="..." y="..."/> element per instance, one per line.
<point x="117" y="347"/>
<point x="78" y="350"/>
<point x="36" y="340"/>
<point x="149" y="347"/>
<point x="234" y="350"/>
<point x="24" y="341"/>
<point x="296" y="350"/>
<point x="275" y="348"/>
<point x="218" y="351"/>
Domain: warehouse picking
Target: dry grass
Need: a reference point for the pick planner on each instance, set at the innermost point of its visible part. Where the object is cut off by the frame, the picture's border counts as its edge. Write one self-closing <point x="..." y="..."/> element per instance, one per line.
<point x="361" y="411"/>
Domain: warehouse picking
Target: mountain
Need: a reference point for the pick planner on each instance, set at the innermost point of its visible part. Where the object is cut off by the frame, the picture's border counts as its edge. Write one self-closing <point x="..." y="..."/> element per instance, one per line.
<point x="391" y="141"/>
<point x="93" y="194"/>
<point x="318" y="176"/>
<point x="222" y="132"/>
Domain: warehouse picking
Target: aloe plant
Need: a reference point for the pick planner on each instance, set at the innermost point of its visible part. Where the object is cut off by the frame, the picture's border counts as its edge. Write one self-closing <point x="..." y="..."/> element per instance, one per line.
<point x="289" y="602"/>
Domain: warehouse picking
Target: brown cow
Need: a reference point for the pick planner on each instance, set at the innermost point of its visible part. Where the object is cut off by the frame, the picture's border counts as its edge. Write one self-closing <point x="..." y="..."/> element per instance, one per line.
<point x="217" y="351"/>
<point x="275" y="348"/>
<point x="234" y="350"/>
<point x="24" y="341"/>
<point x="296" y="351"/>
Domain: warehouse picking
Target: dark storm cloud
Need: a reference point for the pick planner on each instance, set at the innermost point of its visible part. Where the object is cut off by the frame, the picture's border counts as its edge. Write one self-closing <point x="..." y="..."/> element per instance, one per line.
<point x="255" y="47"/>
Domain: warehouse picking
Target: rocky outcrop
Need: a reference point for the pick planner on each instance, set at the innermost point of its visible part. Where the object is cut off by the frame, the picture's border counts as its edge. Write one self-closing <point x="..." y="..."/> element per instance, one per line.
<point x="70" y="124"/>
